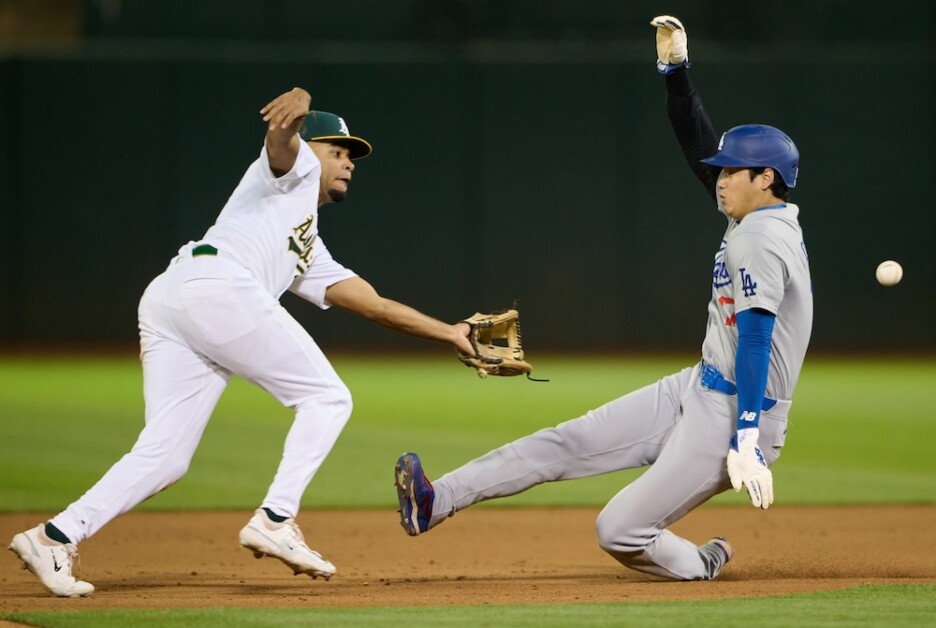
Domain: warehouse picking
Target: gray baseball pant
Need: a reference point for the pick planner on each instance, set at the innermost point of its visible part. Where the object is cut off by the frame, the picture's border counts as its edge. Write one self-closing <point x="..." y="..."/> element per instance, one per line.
<point x="678" y="427"/>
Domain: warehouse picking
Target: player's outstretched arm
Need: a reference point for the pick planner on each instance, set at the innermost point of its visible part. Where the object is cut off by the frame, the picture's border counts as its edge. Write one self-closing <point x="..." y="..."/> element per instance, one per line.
<point x="746" y="464"/>
<point x="690" y="123"/>
<point x="284" y="116"/>
<point x="358" y="296"/>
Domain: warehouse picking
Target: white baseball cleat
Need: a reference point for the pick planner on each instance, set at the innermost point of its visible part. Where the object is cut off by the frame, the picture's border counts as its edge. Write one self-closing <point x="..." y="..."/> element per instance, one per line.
<point x="50" y="561"/>
<point x="285" y="542"/>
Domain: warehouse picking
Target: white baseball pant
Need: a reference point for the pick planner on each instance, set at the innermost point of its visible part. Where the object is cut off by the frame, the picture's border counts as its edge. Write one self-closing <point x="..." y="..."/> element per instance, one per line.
<point x="202" y="320"/>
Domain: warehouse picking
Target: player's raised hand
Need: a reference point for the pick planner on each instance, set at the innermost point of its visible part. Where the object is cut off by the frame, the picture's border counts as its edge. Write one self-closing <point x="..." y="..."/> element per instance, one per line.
<point x="747" y="468"/>
<point x="671" y="43"/>
<point x="286" y="108"/>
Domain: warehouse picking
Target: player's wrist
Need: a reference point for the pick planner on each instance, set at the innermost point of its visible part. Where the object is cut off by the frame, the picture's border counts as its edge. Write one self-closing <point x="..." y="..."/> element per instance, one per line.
<point x="666" y="69"/>
<point x="745" y="439"/>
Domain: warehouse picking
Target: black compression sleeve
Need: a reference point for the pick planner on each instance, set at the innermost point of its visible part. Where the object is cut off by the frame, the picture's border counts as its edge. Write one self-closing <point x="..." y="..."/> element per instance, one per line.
<point x="678" y="84"/>
<point x="692" y="127"/>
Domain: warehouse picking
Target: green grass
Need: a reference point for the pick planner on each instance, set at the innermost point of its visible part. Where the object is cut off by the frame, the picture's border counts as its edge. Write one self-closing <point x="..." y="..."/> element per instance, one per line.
<point x="860" y="431"/>
<point x="891" y="606"/>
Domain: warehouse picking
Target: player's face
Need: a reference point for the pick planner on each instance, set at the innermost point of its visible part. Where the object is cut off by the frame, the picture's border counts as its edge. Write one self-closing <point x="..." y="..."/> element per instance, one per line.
<point x="336" y="171"/>
<point x="739" y="195"/>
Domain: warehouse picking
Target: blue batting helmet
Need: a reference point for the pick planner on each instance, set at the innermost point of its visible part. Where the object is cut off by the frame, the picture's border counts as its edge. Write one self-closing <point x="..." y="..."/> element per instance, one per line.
<point x="758" y="146"/>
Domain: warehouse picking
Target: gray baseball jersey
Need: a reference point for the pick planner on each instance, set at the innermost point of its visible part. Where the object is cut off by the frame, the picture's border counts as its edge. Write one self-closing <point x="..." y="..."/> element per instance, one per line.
<point x="762" y="263"/>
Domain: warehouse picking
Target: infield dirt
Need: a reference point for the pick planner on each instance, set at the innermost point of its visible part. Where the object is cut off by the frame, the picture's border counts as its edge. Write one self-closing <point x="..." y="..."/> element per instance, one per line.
<point x="481" y="556"/>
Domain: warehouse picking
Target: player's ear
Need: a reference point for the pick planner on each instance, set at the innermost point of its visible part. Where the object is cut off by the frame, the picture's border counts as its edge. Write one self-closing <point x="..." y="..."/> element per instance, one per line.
<point x="769" y="175"/>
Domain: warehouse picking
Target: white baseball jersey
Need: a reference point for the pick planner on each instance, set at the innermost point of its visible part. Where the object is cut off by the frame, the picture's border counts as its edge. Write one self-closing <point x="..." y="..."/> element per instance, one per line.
<point x="270" y="226"/>
<point x="762" y="263"/>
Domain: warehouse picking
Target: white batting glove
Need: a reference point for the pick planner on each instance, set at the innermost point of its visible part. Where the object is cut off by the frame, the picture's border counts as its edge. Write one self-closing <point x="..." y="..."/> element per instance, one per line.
<point x="746" y="467"/>
<point x="672" y="46"/>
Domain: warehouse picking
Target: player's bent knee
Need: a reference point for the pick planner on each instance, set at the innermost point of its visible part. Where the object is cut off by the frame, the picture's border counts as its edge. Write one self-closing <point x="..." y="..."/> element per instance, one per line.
<point x="172" y="472"/>
<point x="336" y="398"/>
<point x="614" y="537"/>
<point x="341" y="398"/>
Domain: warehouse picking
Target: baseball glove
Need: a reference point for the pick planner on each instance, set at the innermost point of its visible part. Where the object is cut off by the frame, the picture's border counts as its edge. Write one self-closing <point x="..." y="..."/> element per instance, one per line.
<point x="496" y="341"/>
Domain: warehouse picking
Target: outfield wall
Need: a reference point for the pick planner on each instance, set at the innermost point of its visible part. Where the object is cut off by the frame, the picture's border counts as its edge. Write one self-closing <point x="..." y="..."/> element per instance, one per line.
<point x="521" y="152"/>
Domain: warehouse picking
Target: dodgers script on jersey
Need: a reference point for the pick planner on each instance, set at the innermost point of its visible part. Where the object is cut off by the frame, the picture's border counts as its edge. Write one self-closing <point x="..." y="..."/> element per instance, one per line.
<point x="762" y="263"/>
<point x="270" y="227"/>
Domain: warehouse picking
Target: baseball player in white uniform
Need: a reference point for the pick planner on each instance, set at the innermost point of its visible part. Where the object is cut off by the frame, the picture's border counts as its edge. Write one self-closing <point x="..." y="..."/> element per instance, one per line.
<point x="718" y="424"/>
<point x="214" y="313"/>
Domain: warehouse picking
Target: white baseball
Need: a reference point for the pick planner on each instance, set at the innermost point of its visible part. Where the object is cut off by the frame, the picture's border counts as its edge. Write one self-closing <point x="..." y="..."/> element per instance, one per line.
<point x="889" y="273"/>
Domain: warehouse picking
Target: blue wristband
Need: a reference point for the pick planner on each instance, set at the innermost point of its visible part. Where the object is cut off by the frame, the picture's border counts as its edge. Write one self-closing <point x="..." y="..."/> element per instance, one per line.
<point x="669" y="68"/>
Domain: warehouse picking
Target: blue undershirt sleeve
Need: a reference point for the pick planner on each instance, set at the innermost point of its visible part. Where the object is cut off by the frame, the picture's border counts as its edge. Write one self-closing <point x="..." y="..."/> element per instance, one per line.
<point x="755" y="327"/>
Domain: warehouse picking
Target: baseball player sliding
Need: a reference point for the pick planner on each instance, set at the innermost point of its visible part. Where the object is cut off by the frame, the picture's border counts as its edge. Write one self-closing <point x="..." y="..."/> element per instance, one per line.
<point x="718" y="424"/>
<point x="215" y="312"/>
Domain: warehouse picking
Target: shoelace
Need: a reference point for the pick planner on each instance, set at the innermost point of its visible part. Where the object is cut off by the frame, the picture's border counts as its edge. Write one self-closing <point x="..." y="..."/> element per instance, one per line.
<point x="298" y="533"/>
<point x="71" y="554"/>
<point x="295" y="529"/>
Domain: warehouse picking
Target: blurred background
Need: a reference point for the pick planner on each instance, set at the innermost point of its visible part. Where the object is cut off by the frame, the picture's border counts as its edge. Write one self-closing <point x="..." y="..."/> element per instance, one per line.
<point x="522" y="152"/>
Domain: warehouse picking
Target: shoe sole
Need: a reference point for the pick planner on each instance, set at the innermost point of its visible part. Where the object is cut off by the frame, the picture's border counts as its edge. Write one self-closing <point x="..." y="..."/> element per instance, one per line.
<point x="259" y="552"/>
<point x="403" y="481"/>
<point x="314" y="573"/>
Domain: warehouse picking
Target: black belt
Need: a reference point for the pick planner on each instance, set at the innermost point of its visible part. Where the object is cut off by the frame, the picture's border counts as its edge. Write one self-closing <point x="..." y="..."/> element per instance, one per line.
<point x="713" y="380"/>
<point x="204" y="249"/>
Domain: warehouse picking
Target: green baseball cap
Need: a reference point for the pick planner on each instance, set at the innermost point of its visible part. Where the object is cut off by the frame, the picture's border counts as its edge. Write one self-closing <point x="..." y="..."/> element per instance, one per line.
<point x="321" y="126"/>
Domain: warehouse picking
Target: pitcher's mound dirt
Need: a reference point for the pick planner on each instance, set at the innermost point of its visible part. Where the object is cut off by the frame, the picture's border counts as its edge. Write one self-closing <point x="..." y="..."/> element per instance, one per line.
<point x="481" y="556"/>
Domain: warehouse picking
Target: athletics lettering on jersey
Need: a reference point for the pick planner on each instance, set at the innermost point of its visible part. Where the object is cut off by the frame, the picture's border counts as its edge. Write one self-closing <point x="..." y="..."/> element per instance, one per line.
<point x="301" y="243"/>
<point x="747" y="283"/>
